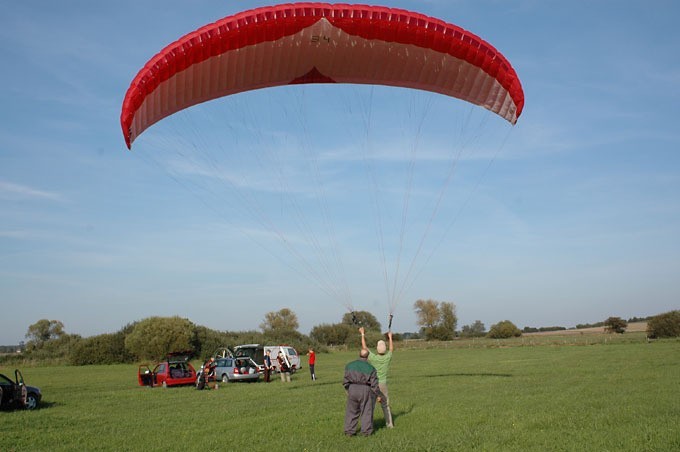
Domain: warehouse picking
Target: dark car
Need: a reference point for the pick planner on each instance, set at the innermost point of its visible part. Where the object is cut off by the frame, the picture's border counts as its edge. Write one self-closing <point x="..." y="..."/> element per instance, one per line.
<point x="176" y="370"/>
<point x="15" y="393"/>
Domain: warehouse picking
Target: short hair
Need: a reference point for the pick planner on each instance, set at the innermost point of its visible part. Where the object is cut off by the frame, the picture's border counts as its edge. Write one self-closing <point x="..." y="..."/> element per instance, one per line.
<point x="364" y="353"/>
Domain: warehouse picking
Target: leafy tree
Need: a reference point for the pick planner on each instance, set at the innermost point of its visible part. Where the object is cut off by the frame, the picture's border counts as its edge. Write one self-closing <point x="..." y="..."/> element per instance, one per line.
<point x="582" y="326"/>
<point x="155" y="337"/>
<point x="449" y="319"/>
<point x="210" y="340"/>
<point x="283" y="320"/>
<point x="437" y="320"/>
<point x="477" y="329"/>
<point x="615" y="325"/>
<point x="43" y="331"/>
<point x="664" y="325"/>
<point x="427" y="312"/>
<point x="503" y="330"/>
<point x="363" y="318"/>
<point x="639" y="319"/>
<point x="332" y="334"/>
<point x="54" y="351"/>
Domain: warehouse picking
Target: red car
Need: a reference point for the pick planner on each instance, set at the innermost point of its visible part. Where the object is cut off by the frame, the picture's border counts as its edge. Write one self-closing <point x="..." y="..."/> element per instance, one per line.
<point x="176" y="370"/>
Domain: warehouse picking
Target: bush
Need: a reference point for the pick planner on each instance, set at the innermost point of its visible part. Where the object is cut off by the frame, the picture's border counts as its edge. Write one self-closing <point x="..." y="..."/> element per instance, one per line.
<point x="439" y="333"/>
<point x="55" y="351"/>
<point x="333" y="334"/>
<point x="101" y="349"/>
<point x="615" y="325"/>
<point x="664" y="325"/>
<point x="504" y="330"/>
<point x="477" y="329"/>
<point x="154" y="337"/>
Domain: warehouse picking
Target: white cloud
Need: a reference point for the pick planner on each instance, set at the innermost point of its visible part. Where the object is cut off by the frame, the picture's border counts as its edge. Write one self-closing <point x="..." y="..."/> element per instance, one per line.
<point x="11" y="191"/>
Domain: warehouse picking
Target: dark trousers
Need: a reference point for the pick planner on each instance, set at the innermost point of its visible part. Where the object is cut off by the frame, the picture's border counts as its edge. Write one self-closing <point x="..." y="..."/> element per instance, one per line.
<point x="311" y="371"/>
<point x="360" y="404"/>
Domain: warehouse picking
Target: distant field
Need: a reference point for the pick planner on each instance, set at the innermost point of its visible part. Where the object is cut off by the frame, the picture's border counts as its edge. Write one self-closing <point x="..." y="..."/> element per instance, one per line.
<point x="614" y="395"/>
<point x="637" y="327"/>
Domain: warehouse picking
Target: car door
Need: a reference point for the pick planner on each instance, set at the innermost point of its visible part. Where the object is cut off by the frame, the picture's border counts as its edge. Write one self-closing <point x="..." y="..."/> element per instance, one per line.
<point x="144" y="375"/>
<point x="224" y="369"/>
<point x="22" y="393"/>
<point x="6" y="391"/>
<point x="160" y="374"/>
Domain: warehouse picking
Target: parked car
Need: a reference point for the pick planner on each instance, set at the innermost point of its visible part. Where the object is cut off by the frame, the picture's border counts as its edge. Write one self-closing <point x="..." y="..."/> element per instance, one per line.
<point x="176" y="370"/>
<point x="256" y="353"/>
<point x="252" y="351"/>
<point x="231" y="369"/>
<point x="16" y="394"/>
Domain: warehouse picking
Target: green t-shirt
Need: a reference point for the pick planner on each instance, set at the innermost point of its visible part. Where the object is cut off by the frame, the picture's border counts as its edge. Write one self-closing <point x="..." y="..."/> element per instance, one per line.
<point x="381" y="364"/>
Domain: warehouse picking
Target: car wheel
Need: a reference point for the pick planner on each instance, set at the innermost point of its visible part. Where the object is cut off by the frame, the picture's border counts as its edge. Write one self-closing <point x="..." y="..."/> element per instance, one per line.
<point x="225" y="379"/>
<point x="164" y="384"/>
<point x="31" y="401"/>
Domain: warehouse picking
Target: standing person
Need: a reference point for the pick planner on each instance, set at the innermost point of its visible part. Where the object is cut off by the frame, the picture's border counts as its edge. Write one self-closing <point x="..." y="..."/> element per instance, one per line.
<point x="361" y="383"/>
<point x="311" y="356"/>
<point x="381" y="361"/>
<point x="284" y="367"/>
<point x="267" y="366"/>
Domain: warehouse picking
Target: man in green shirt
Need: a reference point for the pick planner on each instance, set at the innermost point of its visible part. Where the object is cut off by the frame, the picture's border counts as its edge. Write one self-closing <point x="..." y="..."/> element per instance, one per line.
<point x="381" y="361"/>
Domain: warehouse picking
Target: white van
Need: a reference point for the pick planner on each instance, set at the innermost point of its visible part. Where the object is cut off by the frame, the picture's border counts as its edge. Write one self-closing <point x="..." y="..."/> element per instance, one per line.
<point x="291" y="355"/>
<point x="256" y="353"/>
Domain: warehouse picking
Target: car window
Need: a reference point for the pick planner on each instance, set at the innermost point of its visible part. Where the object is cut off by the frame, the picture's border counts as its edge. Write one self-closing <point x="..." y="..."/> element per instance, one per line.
<point x="5" y="381"/>
<point x="160" y="368"/>
<point x="292" y="352"/>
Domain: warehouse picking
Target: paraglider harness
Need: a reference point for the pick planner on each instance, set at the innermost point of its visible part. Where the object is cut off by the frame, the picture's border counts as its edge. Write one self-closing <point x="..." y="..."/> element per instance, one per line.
<point x="284" y="364"/>
<point x="356" y="321"/>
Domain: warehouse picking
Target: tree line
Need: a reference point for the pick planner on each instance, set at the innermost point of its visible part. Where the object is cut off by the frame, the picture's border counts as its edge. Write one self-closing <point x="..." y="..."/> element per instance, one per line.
<point x="154" y="337"/>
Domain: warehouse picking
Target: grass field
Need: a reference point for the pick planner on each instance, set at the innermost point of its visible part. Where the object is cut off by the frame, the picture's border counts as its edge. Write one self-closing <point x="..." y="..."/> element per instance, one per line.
<point x="618" y="395"/>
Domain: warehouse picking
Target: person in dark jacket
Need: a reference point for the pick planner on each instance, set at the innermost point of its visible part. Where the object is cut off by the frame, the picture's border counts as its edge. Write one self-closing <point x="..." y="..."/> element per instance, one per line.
<point x="267" y="366"/>
<point x="361" y="383"/>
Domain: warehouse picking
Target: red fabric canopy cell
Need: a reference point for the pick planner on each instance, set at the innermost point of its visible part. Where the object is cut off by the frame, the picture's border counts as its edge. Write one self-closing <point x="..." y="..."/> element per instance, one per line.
<point x="320" y="43"/>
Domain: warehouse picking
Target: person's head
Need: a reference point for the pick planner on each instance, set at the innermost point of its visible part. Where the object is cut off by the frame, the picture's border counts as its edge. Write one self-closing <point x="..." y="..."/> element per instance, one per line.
<point x="311" y="350"/>
<point x="363" y="353"/>
<point x="268" y="352"/>
<point x="381" y="348"/>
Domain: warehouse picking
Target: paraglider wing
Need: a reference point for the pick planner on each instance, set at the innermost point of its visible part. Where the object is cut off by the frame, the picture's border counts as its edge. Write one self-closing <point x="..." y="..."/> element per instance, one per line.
<point x="320" y="43"/>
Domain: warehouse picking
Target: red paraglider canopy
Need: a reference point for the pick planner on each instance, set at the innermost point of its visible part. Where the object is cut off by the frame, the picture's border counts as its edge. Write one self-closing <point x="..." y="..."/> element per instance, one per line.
<point x="320" y="43"/>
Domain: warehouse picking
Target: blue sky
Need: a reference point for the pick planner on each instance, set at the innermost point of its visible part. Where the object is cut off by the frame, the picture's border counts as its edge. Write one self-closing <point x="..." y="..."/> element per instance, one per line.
<point x="569" y="217"/>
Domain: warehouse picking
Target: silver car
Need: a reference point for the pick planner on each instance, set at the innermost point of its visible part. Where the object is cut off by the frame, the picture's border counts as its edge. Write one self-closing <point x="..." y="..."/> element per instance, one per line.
<point x="230" y="369"/>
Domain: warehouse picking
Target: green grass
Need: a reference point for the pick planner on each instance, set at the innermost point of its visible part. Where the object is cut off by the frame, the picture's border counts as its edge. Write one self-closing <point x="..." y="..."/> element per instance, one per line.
<point x="616" y="396"/>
